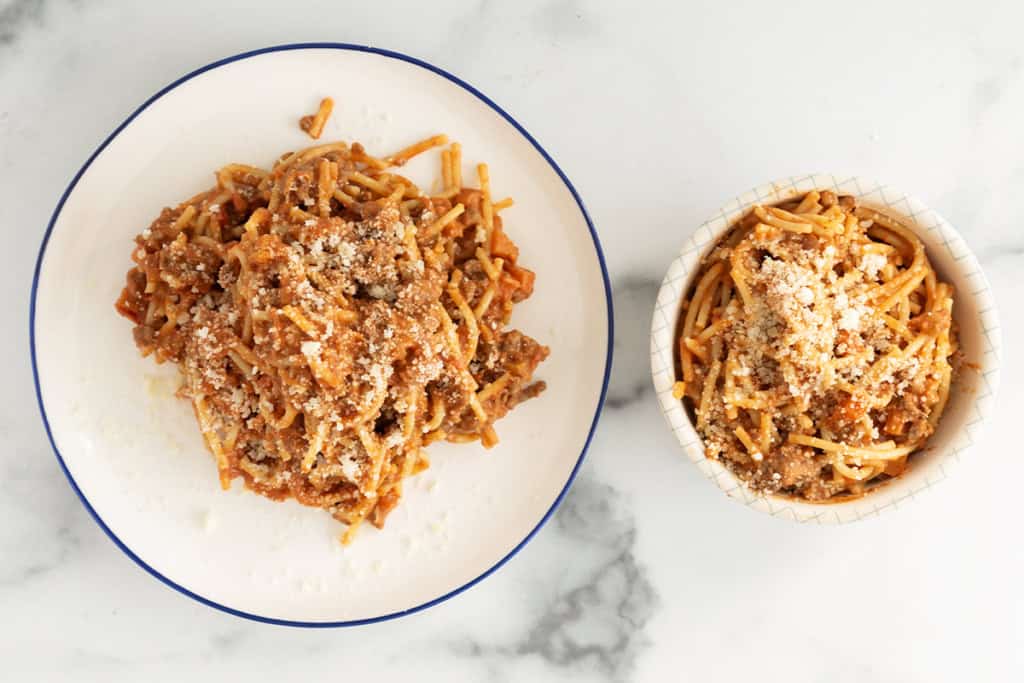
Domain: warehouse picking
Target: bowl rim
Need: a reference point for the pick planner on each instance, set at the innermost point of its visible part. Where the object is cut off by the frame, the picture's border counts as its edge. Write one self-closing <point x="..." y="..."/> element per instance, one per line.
<point x="938" y="463"/>
<point x="497" y="109"/>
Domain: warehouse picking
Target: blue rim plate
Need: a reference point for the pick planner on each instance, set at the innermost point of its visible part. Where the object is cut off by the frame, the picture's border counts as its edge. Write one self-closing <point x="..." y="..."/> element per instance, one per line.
<point x="390" y="55"/>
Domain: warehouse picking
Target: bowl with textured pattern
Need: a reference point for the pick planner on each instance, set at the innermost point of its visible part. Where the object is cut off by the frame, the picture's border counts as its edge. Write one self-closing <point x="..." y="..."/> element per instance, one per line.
<point x="973" y="393"/>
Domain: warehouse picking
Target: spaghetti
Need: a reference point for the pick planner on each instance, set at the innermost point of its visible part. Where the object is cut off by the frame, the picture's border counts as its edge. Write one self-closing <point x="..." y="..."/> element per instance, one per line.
<point x="313" y="124"/>
<point x="330" y="320"/>
<point x="816" y="348"/>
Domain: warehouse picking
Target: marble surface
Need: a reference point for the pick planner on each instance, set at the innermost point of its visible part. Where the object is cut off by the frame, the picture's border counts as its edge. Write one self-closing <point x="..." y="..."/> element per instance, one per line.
<point x="658" y="113"/>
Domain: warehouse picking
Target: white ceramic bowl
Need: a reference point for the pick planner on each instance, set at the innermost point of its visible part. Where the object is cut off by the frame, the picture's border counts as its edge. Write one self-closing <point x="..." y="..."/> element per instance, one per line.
<point x="133" y="452"/>
<point x="974" y="310"/>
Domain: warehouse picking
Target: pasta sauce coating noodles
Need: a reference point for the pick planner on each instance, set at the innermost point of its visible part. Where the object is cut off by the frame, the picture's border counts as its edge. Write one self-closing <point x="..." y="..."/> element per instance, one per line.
<point x="331" y="320"/>
<point x="816" y="348"/>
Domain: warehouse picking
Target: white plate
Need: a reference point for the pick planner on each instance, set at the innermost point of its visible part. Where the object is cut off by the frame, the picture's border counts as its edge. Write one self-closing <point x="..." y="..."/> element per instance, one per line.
<point x="971" y="399"/>
<point x="132" y="451"/>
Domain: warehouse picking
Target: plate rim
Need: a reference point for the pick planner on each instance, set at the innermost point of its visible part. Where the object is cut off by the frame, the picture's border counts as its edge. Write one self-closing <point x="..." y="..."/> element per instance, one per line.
<point x="389" y="54"/>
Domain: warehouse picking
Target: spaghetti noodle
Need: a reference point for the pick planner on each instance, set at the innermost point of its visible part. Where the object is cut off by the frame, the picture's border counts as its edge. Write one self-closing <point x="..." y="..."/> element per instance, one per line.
<point x="330" y="320"/>
<point x="816" y="348"/>
<point x="314" y="124"/>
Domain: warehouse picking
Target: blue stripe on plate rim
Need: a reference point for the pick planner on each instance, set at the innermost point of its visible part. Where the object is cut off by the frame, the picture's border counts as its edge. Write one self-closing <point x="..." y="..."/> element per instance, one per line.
<point x="390" y="54"/>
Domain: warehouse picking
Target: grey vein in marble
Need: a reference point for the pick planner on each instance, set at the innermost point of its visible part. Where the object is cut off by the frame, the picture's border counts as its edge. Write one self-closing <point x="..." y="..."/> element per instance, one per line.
<point x="42" y="550"/>
<point x="16" y="15"/>
<point x="988" y="91"/>
<point x="1000" y="252"/>
<point x="563" y="19"/>
<point x="633" y="298"/>
<point x="596" y="624"/>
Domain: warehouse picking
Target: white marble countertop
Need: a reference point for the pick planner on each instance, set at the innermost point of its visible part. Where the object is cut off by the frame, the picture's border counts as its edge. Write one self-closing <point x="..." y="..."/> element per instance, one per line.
<point x="648" y="572"/>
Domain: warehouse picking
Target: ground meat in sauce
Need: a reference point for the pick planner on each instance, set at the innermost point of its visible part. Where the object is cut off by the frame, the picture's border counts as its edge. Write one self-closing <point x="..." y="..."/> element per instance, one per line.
<point x="812" y="347"/>
<point x="312" y="332"/>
